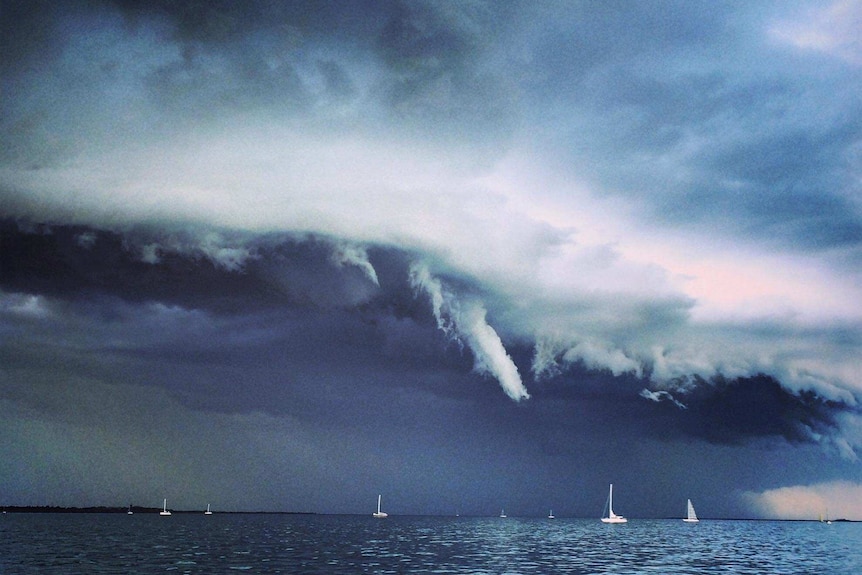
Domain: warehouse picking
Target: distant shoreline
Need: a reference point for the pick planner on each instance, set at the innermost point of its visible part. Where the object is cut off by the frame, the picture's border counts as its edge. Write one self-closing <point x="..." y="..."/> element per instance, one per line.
<point x="156" y="510"/>
<point x="133" y="508"/>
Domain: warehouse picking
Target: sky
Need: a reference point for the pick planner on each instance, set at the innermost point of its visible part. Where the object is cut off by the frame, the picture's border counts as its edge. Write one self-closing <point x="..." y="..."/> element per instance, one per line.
<point x="467" y="255"/>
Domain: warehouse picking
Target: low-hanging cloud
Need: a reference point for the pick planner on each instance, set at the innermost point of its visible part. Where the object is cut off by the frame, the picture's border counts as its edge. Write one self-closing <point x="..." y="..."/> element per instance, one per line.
<point x="832" y="500"/>
<point x="599" y="181"/>
<point x="464" y="320"/>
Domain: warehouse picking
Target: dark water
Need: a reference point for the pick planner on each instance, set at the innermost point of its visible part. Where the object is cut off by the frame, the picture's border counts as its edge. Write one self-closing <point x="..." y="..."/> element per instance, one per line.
<point x="147" y="543"/>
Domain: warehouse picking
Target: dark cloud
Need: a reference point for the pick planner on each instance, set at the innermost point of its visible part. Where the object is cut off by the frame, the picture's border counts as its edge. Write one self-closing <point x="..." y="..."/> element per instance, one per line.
<point x="180" y="268"/>
<point x="722" y="411"/>
<point x="290" y="302"/>
<point x="289" y="309"/>
<point x="27" y="34"/>
<point x="737" y="411"/>
<point x="268" y="174"/>
<point x="225" y="21"/>
<point x="52" y="260"/>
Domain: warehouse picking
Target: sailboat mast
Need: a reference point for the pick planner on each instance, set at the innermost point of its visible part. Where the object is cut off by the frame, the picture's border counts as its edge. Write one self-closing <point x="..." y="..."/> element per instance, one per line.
<point x="611" y="502"/>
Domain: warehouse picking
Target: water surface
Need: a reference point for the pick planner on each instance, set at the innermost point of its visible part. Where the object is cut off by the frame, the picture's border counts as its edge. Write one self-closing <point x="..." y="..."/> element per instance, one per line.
<point x="333" y="544"/>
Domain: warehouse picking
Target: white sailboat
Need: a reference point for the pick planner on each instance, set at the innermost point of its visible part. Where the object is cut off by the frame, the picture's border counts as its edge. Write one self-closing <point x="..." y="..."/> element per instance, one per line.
<point x="129" y="512"/>
<point x="551" y="514"/>
<point x="208" y="512"/>
<point x="164" y="510"/>
<point x="379" y="514"/>
<point x="691" y="516"/>
<point x="503" y="513"/>
<point x="613" y="517"/>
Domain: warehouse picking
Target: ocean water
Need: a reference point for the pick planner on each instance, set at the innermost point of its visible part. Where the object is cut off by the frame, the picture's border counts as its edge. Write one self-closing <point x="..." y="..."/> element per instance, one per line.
<point x="334" y="544"/>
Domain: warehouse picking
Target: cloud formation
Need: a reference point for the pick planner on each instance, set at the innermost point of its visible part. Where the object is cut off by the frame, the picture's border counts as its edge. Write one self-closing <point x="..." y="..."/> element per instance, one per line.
<point x="463" y="320"/>
<point x="648" y="206"/>
<point x="832" y="500"/>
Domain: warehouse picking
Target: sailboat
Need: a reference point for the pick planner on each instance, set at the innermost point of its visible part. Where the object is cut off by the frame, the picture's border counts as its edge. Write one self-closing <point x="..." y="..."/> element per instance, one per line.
<point x="691" y="516"/>
<point x="164" y="510"/>
<point x="208" y="512"/>
<point x="551" y="514"/>
<point x="379" y="514"/>
<point x="613" y="517"/>
<point x="129" y="512"/>
<point x="503" y="513"/>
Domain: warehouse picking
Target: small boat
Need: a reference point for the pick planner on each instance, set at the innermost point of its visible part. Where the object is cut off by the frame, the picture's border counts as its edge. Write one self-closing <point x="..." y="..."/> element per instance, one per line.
<point x="379" y="514"/>
<point x="129" y="512"/>
<point x="551" y="514"/>
<point x="503" y="513"/>
<point x="164" y="510"/>
<point x="208" y="512"/>
<point x="691" y="516"/>
<point x="612" y="517"/>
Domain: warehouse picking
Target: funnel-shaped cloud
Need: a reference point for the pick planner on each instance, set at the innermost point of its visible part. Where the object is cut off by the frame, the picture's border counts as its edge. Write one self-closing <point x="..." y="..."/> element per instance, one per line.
<point x="344" y="254"/>
<point x="465" y="321"/>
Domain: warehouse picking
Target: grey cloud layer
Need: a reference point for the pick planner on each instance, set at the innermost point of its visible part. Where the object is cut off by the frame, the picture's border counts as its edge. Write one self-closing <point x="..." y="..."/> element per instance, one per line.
<point x="293" y="300"/>
<point x="204" y="101"/>
<point x="410" y="67"/>
<point x="227" y="201"/>
<point x="739" y="136"/>
<point x="760" y="147"/>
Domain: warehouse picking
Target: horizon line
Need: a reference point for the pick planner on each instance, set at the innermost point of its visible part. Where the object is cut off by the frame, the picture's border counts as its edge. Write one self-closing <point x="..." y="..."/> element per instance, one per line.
<point x="107" y="509"/>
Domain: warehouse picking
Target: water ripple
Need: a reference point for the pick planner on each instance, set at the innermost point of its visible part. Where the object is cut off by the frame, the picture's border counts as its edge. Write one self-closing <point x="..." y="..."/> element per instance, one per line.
<point x="101" y="544"/>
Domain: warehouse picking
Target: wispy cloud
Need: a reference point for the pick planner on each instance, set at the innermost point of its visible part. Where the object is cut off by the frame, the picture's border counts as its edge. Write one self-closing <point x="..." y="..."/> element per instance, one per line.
<point x="464" y="320"/>
<point x="347" y="254"/>
<point x="831" y="29"/>
<point x="661" y="395"/>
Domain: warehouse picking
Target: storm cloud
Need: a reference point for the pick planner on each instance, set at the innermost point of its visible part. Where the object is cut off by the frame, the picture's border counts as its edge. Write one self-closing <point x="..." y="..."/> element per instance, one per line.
<point x="457" y="234"/>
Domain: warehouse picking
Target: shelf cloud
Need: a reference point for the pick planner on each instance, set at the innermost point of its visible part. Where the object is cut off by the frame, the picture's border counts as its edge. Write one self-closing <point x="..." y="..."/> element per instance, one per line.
<point x="333" y="226"/>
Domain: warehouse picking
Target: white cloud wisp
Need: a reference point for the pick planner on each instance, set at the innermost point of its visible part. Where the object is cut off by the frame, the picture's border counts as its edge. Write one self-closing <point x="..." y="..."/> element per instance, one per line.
<point x="464" y="320"/>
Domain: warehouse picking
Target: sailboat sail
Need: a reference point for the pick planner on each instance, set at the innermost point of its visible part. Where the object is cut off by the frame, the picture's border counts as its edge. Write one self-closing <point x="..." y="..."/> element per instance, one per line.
<point x="691" y="516"/>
